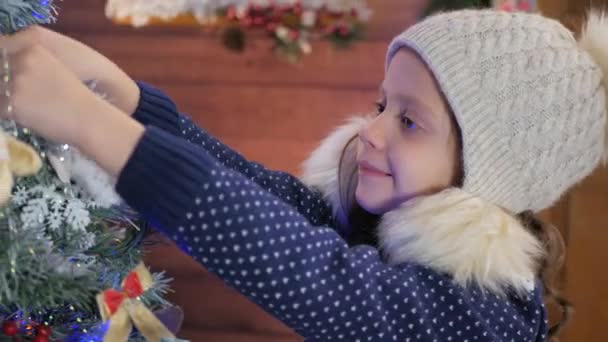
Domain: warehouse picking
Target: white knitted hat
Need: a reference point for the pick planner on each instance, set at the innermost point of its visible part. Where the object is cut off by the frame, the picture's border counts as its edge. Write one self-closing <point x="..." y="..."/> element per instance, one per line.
<point x="529" y="99"/>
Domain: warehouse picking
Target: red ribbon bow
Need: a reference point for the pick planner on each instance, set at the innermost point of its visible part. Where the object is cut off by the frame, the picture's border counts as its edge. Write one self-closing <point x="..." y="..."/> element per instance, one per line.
<point x="131" y="288"/>
<point x="123" y="311"/>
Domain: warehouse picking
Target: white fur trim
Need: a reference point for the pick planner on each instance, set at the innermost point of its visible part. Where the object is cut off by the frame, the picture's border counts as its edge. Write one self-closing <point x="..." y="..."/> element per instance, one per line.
<point x="452" y="231"/>
<point x="96" y="182"/>
<point x="320" y="170"/>
<point x="460" y="234"/>
<point x="594" y="40"/>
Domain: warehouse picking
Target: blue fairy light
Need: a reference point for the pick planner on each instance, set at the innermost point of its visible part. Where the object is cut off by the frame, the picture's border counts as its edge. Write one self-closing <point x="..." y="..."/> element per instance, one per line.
<point x="18" y="14"/>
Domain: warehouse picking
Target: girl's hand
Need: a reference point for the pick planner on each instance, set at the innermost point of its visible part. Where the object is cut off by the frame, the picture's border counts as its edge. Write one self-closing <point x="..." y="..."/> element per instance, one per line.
<point x="50" y="99"/>
<point x="45" y="96"/>
<point x="87" y="64"/>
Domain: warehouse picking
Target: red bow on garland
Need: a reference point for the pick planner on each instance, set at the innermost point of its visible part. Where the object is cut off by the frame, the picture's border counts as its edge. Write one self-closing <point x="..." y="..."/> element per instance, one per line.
<point x="131" y="288"/>
<point x="123" y="309"/>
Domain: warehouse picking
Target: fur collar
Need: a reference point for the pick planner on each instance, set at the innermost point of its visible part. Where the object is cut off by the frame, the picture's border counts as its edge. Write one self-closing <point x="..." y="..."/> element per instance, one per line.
<point x="452" y="232"/>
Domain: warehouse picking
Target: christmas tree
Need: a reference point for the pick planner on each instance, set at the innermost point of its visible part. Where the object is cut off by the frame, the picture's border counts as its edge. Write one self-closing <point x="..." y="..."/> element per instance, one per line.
<point x="65" y="236"/>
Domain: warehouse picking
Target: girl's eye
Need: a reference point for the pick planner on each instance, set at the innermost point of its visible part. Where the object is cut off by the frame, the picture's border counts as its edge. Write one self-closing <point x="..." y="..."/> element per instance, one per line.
<point x="407" y="122"/>
<point x="380" y="107"/>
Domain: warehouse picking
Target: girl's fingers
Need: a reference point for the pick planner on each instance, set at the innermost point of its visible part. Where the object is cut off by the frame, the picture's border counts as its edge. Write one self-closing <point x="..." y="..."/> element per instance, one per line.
<point x="20" y="40"/>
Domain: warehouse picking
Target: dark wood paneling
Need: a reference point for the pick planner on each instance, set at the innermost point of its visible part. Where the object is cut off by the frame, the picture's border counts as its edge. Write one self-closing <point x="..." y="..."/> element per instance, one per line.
<point x="587" y="282"/>
<point x="288" y="113"/>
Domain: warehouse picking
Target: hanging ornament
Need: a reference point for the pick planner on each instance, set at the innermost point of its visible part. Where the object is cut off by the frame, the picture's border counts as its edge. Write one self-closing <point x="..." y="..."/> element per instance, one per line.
<point x="124" y="310"/>
<point x="9" y="328"/>
<point x="43" y="330"/>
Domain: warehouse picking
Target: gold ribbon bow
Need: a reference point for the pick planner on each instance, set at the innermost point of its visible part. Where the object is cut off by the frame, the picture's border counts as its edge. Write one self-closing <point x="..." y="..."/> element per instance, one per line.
<point x="124" y="309"/>
<point x="16" y="159"/>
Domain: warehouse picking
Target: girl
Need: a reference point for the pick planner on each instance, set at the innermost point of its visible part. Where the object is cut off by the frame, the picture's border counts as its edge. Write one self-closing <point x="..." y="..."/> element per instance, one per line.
<point x="414" y="224"/>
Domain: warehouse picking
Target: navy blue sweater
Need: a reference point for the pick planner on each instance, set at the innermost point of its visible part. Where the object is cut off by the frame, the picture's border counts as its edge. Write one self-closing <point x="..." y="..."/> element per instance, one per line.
<point x="273" y="239"/>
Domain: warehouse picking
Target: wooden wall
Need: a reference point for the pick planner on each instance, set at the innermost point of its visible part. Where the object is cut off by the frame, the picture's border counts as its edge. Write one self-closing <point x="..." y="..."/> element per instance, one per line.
<point x="584" y="213"/>
<point x="275" y="113"/>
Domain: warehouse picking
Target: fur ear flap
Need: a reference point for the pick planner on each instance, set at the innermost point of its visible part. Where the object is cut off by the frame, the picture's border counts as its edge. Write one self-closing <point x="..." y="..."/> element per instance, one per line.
<point x="320" y="170"/>
<point x="460" y="234"/>
<point x="594" y="40"/>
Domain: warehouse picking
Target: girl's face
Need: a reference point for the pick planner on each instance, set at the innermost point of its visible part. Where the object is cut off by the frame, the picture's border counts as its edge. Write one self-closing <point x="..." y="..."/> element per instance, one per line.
<point x="411" y="147"/>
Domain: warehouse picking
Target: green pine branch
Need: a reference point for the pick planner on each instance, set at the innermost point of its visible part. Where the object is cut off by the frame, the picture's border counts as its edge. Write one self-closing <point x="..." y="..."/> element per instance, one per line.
<point x="18" y="14"/>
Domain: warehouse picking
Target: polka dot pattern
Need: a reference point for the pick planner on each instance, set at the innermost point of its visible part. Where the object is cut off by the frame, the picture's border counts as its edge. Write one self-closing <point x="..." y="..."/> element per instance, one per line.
<point x="281" y="184"/>
<point x="156" y="109"/>
<point x="260" y="238"/>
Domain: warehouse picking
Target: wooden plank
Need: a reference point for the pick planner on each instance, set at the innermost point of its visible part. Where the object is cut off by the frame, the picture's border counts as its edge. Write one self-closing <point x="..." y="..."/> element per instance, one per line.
<point x="586" y="260"/>
<point x="194" y="61"/>
<point x="164" y="255"/>
<point x="221" y="307"/>
<point x="286" y="113"/>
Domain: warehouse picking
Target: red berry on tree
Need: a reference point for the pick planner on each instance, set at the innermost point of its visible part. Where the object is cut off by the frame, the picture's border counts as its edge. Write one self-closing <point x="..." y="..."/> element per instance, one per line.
<point x="43" y="330"/>
<point x="9" y="328"/>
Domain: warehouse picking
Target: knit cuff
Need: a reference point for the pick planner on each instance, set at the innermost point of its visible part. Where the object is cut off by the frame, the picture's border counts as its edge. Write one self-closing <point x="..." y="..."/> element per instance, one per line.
<point x="162" y="175"/>
<point x="156" y="108"/>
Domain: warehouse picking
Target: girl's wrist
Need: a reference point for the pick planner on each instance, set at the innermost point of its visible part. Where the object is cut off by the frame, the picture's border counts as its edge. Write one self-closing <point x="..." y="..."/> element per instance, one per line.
<point x="128" y="93"/>
<point x="121" y="91"/>
<point x="108" y="136"/>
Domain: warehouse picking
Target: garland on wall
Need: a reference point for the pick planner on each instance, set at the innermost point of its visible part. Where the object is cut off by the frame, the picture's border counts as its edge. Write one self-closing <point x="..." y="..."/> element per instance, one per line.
<point x="292" y="24"/>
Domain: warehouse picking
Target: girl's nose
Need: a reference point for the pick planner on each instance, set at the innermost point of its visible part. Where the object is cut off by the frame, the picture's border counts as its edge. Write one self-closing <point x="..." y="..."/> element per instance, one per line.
<point x="373" y="134"/>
